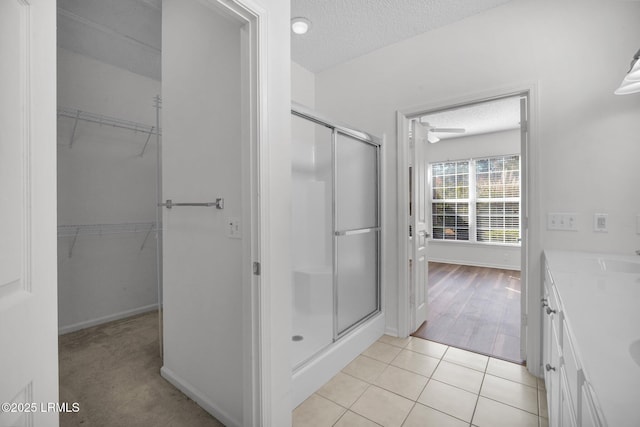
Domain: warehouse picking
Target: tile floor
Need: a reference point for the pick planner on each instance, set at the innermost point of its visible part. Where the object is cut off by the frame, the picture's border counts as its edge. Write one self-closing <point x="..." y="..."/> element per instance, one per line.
<point x="413" y="382"/>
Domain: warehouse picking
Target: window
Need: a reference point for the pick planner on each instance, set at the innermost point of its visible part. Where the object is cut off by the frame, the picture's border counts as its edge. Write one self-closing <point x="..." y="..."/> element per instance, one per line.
<point x="476" y="200"/>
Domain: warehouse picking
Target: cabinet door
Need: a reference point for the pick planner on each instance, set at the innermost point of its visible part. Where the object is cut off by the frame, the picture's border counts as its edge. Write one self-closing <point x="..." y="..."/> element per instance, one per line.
<point x="589" y="417"/>
<point x="567" y="415"/>
<point x="552" y="371"/>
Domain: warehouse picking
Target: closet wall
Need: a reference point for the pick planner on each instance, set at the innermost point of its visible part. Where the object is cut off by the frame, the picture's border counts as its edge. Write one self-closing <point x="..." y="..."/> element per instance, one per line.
<point x="103" y="179"/>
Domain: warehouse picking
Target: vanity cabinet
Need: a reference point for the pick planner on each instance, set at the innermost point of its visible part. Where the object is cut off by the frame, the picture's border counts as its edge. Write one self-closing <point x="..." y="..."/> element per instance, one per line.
<point x="570" y="399"/>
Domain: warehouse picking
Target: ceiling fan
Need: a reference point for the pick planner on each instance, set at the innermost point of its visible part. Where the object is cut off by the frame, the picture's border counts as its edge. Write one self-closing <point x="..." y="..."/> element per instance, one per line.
<point x="432" y="129"/>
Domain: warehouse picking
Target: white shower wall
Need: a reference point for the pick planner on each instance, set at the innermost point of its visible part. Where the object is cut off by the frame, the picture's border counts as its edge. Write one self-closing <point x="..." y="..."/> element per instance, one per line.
<point x="311" y="225"/>
<point x="102" y="179"/>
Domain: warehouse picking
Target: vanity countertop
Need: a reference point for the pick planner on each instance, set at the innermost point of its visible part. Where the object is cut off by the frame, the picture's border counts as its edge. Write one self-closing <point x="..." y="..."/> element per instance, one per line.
<point x="600" y="294"/>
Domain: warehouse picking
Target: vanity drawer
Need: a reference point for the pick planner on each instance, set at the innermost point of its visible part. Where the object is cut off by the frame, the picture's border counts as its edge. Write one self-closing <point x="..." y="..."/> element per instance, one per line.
<point x="553" y="309"/>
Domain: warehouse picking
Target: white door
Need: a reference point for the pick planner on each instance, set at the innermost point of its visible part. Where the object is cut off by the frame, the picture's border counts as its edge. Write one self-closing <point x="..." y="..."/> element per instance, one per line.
<point x="206" y="263"/>
<point x="419" y="211"/>
<point x="28" y="278"/>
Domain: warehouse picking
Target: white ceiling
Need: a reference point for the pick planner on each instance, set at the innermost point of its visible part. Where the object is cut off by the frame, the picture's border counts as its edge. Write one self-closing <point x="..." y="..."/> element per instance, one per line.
<point x="123" y="33"/>
<point x="345" y="29"/>
<point x="492" y="116"/>
<point x="127" y="34"/>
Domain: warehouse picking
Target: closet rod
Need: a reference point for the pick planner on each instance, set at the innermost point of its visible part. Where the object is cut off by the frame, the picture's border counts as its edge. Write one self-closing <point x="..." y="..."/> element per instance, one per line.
<point x="101" y="119"/>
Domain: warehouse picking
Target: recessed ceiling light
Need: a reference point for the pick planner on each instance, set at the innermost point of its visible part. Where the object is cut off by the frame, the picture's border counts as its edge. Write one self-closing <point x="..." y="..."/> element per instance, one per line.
<point x="300" y="25"/>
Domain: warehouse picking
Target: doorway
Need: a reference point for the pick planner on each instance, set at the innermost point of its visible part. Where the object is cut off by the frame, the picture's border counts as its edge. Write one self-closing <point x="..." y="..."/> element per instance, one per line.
<point x="473" y="160"/>
<point x="200" y="179"/>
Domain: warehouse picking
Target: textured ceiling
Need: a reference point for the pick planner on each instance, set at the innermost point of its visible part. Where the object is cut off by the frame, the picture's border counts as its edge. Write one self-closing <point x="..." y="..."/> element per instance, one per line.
<point x="127" y="33"/>
<point x="345" y="29"/>
<point x="493" y="116"/>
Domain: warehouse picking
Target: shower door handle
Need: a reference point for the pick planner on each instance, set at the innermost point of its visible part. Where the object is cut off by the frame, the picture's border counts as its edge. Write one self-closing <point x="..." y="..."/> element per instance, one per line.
<point x="219" y="204"/>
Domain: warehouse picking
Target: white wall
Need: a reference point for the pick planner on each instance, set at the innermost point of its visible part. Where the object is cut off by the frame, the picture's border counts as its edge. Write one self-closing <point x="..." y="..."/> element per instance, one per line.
<point x="576" y="51"/>
<point x="466" y="147"/>
<point x="303" y="85"/>
<point x="103" y="180"/>
<point x="201" y="160"/>
<point x="219" y="372"/>
<point x="276" y="256"/>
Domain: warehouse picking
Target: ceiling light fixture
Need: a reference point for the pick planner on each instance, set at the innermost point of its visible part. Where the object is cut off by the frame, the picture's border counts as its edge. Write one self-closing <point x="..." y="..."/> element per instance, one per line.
<point x="300" y="25"/>
<point x="631" y="81"/>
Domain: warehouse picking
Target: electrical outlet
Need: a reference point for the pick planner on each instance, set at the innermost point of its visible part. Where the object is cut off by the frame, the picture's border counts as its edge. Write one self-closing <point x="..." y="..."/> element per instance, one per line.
<point x="600" y="222"/>
<point x="234" y="231"/>
<point x="562" y="221"/>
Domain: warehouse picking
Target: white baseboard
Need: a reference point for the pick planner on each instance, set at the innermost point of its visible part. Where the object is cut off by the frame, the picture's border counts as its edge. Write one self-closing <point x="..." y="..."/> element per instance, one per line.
<point x="104" y="319"/>
<point x="391" y="331"/>
<point x="195" y="395"/>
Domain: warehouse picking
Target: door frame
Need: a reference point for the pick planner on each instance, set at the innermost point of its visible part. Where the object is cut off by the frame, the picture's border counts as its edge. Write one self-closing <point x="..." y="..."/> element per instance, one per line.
<point x="531" y="245"/>
<point x="256" y="311"/>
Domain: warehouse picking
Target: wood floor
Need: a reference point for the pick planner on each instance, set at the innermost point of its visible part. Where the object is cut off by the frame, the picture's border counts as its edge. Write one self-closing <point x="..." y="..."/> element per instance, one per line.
<point x="474" y="308"/>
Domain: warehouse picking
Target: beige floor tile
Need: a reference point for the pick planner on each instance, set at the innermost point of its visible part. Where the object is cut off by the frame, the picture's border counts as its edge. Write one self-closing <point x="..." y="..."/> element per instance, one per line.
<point x="543" y="410"/>
<point x="406" y="384"/>
<point x="511" y="393"/>
<point x="449" y="399"/>
<point x="343" y="389"/>
<point x="365" y="368"/>
<point x="416" y="362"/>
<point x="383" y="352"/>
<point x="429" y="348"/>
<point x="351" y="419"/>
<point x="398" y="342"/>
<point x="490" y="413"/>
<point x="466" y="358"/>
<point x="383" y="407"/>
<point x="459" y="376"/>
<point x="511" y="371"/>
<point x="317" y="411"/>
<point x="422" y="416"/>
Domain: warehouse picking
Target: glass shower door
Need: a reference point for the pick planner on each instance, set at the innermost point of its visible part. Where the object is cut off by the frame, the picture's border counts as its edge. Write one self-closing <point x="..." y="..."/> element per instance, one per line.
<point x="357" y="231"/>
<point x="312" y="271"/>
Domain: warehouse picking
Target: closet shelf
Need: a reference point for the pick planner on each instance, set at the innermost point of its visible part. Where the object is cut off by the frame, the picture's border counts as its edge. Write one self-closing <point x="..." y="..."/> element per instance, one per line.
<point x="100" y="119"/>
<point x="100" y="229"/>
<point x="103" y="229"/>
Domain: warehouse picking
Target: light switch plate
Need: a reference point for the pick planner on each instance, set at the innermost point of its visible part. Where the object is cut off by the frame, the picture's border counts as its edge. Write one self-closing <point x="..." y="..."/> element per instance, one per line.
<point x="234" y="229"/>
<point x="562" y="221"/>
<point x="601" y="222"/>
<point x="637" y="224"/>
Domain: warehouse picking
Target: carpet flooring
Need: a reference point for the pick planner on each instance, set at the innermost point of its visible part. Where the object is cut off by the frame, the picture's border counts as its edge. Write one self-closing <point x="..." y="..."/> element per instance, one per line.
<point x="113" y="372"/>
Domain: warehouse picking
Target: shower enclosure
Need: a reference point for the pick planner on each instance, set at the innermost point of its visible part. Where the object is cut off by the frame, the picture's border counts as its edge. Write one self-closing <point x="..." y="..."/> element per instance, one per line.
<point x="335" y="232"/>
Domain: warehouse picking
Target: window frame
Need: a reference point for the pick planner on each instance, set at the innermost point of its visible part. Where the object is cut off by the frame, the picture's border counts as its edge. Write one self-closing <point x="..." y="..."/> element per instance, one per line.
<point x="472" y="201"/>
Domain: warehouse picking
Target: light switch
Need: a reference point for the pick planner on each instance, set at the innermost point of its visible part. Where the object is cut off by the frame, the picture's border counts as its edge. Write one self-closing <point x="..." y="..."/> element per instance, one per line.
<point x="600" y="222"/>
<point x="234" y="228"/>
<point x="562" y="221"/>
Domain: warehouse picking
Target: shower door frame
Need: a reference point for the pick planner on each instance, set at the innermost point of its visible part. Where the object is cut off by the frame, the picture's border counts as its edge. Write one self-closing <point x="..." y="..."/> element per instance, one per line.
<point x="365" y="138"/>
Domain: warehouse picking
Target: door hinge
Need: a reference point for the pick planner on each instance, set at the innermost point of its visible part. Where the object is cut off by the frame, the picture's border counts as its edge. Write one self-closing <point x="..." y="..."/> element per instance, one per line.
<point x="524" y="320"/>
<point x="412" y="300"/>
<point x="256" y="268"/>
